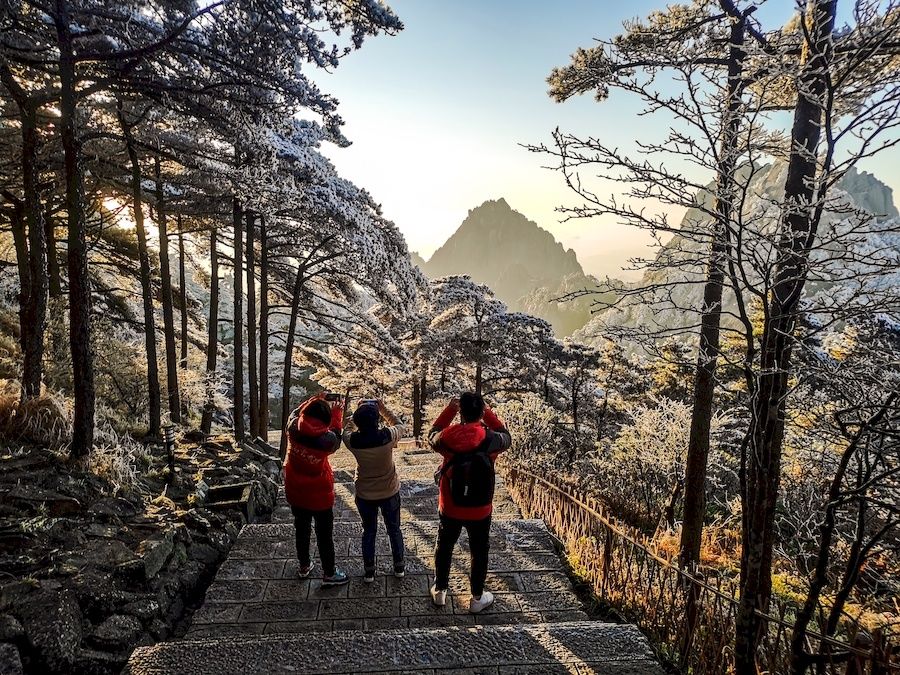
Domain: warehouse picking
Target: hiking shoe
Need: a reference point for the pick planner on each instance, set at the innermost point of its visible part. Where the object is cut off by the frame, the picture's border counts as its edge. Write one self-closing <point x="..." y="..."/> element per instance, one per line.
<point x="303" y="572"/>
<point x="482" y="603"/>
<point x="369" y="575"/>
<point x="439" y="598"/>
<point x="339" y="578"/>
<point x="400" y="570"/>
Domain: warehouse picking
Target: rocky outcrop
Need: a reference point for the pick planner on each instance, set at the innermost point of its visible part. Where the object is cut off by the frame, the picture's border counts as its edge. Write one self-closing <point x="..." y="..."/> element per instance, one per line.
<point x="680" y="271"/>
<point x="522" y="263"/>
<point x="114" y="569"/>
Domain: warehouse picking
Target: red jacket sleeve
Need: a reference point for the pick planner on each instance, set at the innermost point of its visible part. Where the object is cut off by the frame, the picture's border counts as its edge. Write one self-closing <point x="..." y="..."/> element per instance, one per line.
<point x="337" y="419"/>
<point x="441" y="423"/>
<point x="444" y="419"/>
<point x="491" y="420"/>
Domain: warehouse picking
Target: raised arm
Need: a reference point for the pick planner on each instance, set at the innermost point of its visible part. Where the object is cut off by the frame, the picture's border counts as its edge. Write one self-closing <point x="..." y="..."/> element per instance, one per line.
<point x="500" y="438"/>
<point x="394" y="427"/>
<point x="442" y="422"/>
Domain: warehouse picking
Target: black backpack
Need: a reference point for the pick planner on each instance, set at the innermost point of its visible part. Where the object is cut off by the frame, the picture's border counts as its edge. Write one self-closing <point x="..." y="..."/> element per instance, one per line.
<point x="472" y="480"/>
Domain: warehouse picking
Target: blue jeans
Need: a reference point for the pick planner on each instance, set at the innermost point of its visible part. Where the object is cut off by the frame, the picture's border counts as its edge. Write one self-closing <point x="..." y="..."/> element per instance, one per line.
<point x="390" y="511"/>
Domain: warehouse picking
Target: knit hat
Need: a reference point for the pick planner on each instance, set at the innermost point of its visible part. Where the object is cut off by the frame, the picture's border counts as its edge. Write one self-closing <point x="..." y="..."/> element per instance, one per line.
<point x="366" y="416"/>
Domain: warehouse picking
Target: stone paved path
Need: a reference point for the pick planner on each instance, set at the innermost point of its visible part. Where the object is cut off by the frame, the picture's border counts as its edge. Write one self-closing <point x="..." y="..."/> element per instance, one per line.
<point x="258" y="616"/>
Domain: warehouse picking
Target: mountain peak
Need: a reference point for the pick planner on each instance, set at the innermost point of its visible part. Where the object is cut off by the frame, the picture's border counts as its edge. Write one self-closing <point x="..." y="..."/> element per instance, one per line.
<point x="498" y="246"/>
<point x="493" y="205"/>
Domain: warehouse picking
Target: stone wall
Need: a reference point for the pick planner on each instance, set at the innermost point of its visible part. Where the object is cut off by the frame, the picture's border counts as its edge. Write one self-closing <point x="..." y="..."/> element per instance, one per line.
<point x="91" y="572"/>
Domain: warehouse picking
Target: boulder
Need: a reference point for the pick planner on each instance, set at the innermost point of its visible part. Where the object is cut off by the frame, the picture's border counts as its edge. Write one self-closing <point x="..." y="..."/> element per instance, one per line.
<point x="104" y="554"/>
<point x="99" y="597"/>
<point x="112" y="510"/>
<point x="10" y="629"/>
<point x="222" y="540"/>
<point x="204" y="553"/>
<point x="52" y="622"/>
<point x="264" y="497"/>
<point x="116" y="633"/>
<point x="145" y="609"/>
<point x="156" y="551"/>
<point x="159" y="629"/>
<point x="189" y="577"/>
<point x="130" y="572"/>
<point x="34" y="499"/>
<point x="101" y="531"/>
<point x="197" y="520"/>
<point x="10" y="663"/>
<point x="97" y="662"/>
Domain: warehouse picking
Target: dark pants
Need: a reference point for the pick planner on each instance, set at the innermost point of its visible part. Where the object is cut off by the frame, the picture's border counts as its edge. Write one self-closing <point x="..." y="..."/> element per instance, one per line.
<point x="479" y="545"/>
<point x="390" y="512"/>
<point x="303" y="519"/>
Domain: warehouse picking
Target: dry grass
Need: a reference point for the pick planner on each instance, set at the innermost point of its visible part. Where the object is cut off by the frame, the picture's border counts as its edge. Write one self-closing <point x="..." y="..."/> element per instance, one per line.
<point x="46" y="421"/>
<point x="720" y="547"/>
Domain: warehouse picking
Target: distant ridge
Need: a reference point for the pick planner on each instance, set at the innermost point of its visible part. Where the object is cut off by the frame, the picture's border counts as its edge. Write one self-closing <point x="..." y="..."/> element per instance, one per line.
<point x="417" y="260"/>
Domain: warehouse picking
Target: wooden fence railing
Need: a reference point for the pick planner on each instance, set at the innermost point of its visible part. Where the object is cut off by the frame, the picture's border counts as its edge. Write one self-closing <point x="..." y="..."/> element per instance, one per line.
<point x="688" y="617"/>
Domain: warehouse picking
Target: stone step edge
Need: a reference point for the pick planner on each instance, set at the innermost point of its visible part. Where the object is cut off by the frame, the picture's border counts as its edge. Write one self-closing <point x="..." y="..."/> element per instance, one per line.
<point x="535" y="522"/>
<point x="408" y="650"/>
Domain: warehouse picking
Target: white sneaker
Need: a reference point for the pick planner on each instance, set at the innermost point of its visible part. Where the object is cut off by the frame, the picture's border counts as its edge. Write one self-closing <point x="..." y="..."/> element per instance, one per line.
<point x="479" y="604"/>
<point x="439" y="598"/>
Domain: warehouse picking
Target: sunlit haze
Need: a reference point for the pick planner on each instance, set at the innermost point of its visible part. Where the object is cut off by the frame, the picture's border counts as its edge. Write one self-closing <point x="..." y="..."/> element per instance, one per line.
<point x="437" y="115"/>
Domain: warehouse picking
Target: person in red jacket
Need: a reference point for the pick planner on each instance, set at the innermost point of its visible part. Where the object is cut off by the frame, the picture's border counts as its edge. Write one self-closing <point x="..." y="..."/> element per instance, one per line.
<point x="314" y="433"/>
<point x="479" y="431"/>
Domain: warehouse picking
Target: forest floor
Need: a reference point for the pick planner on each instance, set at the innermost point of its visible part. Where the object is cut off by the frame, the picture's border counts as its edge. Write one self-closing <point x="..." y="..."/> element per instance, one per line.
<point x="90" y="569"/>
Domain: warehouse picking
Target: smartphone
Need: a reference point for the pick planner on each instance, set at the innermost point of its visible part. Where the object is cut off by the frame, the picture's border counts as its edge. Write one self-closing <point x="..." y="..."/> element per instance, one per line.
<point x="332" y="397"/>
<point x="369" y="401"/>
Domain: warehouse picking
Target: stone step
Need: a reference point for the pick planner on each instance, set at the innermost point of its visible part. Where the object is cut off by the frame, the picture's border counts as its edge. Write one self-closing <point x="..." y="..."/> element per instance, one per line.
<point x="564" y="647"/>
<point x="257" y="590"/>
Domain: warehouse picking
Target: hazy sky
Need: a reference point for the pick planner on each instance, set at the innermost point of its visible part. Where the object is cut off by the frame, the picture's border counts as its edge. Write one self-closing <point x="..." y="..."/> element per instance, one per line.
<point x="436" y="115"/>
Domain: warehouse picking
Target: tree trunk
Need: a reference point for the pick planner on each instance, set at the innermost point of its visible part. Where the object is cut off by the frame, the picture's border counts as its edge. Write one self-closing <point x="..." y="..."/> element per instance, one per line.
<point x="417" y="407"/>
<point x="263" y="413"/>
<point x="761" y="459"/>
<point x="153" y="389"/>
<point x="212" y="340"/>
<point x="547" y="380"/>
<point x="251" y="328"/>
<point x="423" y="390"/>
<point x="237" y="220"/>
<point x="20" y="243"/>
<point x="79" y="281"/>
<point x="479" y="354"/>
<point x="289" y="360"/>
<point x="668" y="515"/>
<point x="182" y="284"/>
<point x="576" y="385"/>
<point x="168" y="310"/>
<point x="31" y="253"/>
<point x="53" y="271"/>
<point x="821" y="574"/>
<point x="35" y="314"/>
<point x="705" y="375"/>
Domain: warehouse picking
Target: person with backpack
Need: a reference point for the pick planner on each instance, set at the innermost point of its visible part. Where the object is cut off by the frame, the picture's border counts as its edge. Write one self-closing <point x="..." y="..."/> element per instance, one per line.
<point x="314" y="433"/>
<point x="466" y="490"/>
<point x="377" y="484"/>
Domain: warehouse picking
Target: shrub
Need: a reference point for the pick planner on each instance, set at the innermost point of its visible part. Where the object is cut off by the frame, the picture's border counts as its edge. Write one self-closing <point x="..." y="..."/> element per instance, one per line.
<point x="46" y="421"/>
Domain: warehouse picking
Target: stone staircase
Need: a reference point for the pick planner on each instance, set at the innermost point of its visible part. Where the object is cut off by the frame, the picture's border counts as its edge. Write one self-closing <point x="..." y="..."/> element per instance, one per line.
<point x="259" y="617"/>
